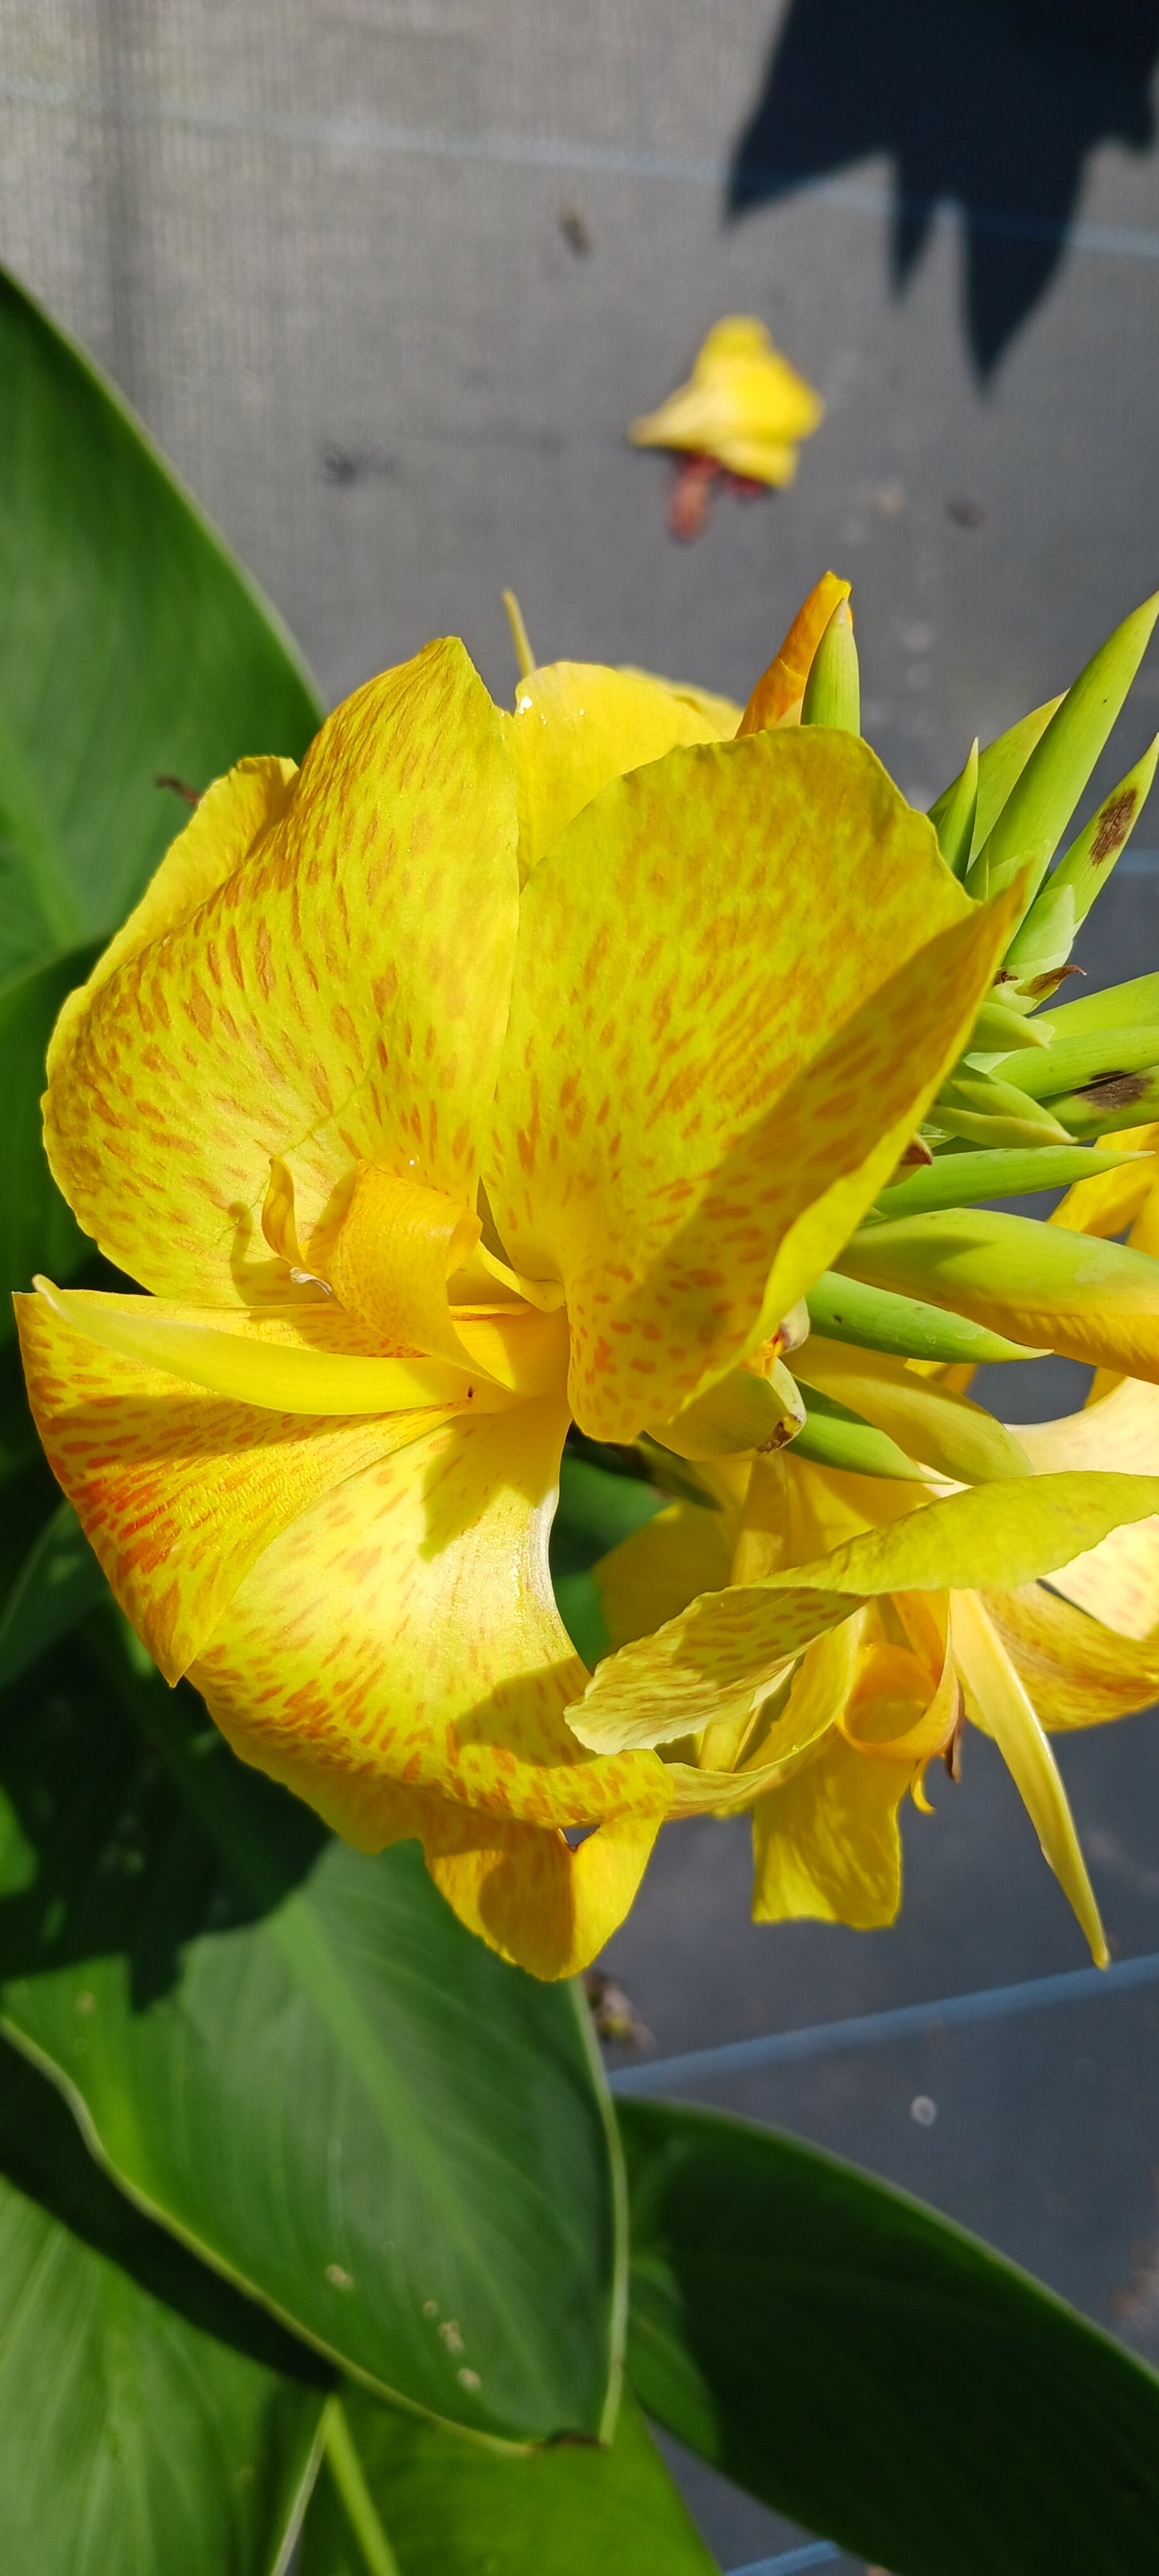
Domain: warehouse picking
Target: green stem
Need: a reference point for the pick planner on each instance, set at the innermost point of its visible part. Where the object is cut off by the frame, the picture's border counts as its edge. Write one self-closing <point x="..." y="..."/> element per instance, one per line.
<point x="346" y="2471"/>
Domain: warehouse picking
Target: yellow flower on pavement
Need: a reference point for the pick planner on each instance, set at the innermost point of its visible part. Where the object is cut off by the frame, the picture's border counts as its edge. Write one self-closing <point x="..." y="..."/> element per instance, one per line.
<point x="474" y="1081"/>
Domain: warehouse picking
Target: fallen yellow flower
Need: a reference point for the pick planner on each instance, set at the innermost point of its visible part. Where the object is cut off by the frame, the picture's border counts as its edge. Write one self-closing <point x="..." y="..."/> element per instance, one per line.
<point x="743" y="411"/>
<point x="456" y="1088"/>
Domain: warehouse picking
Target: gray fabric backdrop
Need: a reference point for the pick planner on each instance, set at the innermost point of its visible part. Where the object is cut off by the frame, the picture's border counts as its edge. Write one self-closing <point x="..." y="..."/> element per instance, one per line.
<point x="329" y="248"/>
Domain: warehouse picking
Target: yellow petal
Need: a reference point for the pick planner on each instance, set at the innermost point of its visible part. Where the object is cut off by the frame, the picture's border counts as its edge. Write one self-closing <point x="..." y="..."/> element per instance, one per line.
<point x="1118" y="1580"/>
<point x="341" y="995"/>
<point x="300" y="1362"/>
<point x="778" y="695"/>
<point x="666" y="1140"/>
<point x="578" y="724"/>
<point x="403" y="1632"/>
<point x="545" y="1907"/>
<point x="827" y="1845"/>
<point x="1076" y="1672"/>
<point x="656" y="1572"/>
<point x="997" y="1700"/>
<point x="179" y="1491"/>
<point x="1108" y="1201"/>
<point x="725" y="1652"/>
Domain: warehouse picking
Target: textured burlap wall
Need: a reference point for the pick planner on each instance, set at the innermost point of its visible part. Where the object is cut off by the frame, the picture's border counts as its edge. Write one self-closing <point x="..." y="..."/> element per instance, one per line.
<point x="319" y="244"/>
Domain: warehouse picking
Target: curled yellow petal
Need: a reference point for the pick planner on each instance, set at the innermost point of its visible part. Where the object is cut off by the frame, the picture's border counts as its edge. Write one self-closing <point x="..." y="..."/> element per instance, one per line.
<point x="997" y="1700"/>
<point x="279" y="1363"/>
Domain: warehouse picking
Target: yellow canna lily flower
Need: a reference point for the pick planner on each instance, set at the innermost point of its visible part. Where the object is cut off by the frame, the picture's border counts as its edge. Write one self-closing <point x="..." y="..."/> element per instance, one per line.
<point x="743" y="413"/>
<point x="491" y="1073"/>
<point x="818" y="1638"/>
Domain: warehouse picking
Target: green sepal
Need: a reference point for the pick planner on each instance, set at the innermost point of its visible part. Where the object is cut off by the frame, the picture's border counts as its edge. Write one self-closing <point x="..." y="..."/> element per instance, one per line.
<point x="960" y="1180"/>
<point x="955" y="823"/>
<point x="834" y="1436"/>
<point x="1012" y="1260"/>
<point x="877" y="1319"/>
<point x="833" y="688"/>
<point x="1045" y="795"/>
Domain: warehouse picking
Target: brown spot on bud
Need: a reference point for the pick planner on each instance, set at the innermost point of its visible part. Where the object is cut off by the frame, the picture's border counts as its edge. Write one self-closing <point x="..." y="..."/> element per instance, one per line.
<point x="1114" y="826"/>
<point x="1117" y="1090"/>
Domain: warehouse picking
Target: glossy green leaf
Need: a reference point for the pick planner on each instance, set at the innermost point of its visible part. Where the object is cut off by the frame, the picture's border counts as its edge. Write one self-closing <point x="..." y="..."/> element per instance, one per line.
<point x="879" y="1319"/>
<point x="961" y="1180"/>
<point x="432" y="2504"/>
<point x="298" y="2059"/>
<point x="999" y="766"/>
<point x="868" y="2368"/>
<point x="1044" y="796"/>
<point x="37" y="1230"/>
<point x="132" y="645"/>
<point x="59" y="1582"/>
<point x="150" y="2417"/>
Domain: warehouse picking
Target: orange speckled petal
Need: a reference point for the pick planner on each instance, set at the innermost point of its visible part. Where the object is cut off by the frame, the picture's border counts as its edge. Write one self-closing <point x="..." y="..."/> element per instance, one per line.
<point x="403" y="1632"/>
<point x="715" y="1058"/>
<point x="1077" y="1672"/>
<point x="827" y="1846"/>
<point x="545" y="1907"/>
<point x="340" y="996"/>
<point x="178" y="1491"/>
<point x="778" y="696"/>
<point x="577" y="725"/>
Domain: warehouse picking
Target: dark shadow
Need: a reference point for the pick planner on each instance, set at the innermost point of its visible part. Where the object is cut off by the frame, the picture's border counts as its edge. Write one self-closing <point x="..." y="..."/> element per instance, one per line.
<point x="137" y="1830"/>
<point x="988" y="105"/>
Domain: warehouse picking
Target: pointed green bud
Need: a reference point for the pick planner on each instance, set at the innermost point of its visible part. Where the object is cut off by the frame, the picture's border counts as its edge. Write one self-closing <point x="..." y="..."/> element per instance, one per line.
<point x="1002" y="762"/>
<point x="1119" y="1006"/>
<point x="997" y="1029"/>
<point x="843" y="1309"/>
<point x="1124" y="1101"/>
<point x="949" y="1434"/>
<point x="1040" y="804"/>
<point x="1046" y="936"/>
<point x="1070" y="1063"/>
<point x="961" y="1180"/>
<point x="992" y="1112"/>
<point x="833" y="1436"/>
<point x="1084" y="869"/>
<point x="997" y="1265"/>
<point x="833" y="688"/>
<point x="955" y="823"/>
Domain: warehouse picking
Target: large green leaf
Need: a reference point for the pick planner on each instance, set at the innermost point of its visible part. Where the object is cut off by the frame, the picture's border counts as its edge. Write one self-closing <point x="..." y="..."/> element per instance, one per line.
<point x="58" y="1582"/>
<point x="132" y="645"/>
<point x="873" y="2371"/>
<point x="402" y="2498"/>
<point x="297" y="2058"/>
<point x="150" y="2418"/>
<point x="37" y="1230"/>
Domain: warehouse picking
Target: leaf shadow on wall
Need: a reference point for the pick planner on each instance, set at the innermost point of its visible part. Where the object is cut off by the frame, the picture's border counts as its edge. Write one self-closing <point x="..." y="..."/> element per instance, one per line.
<point x="988" y="105"/>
